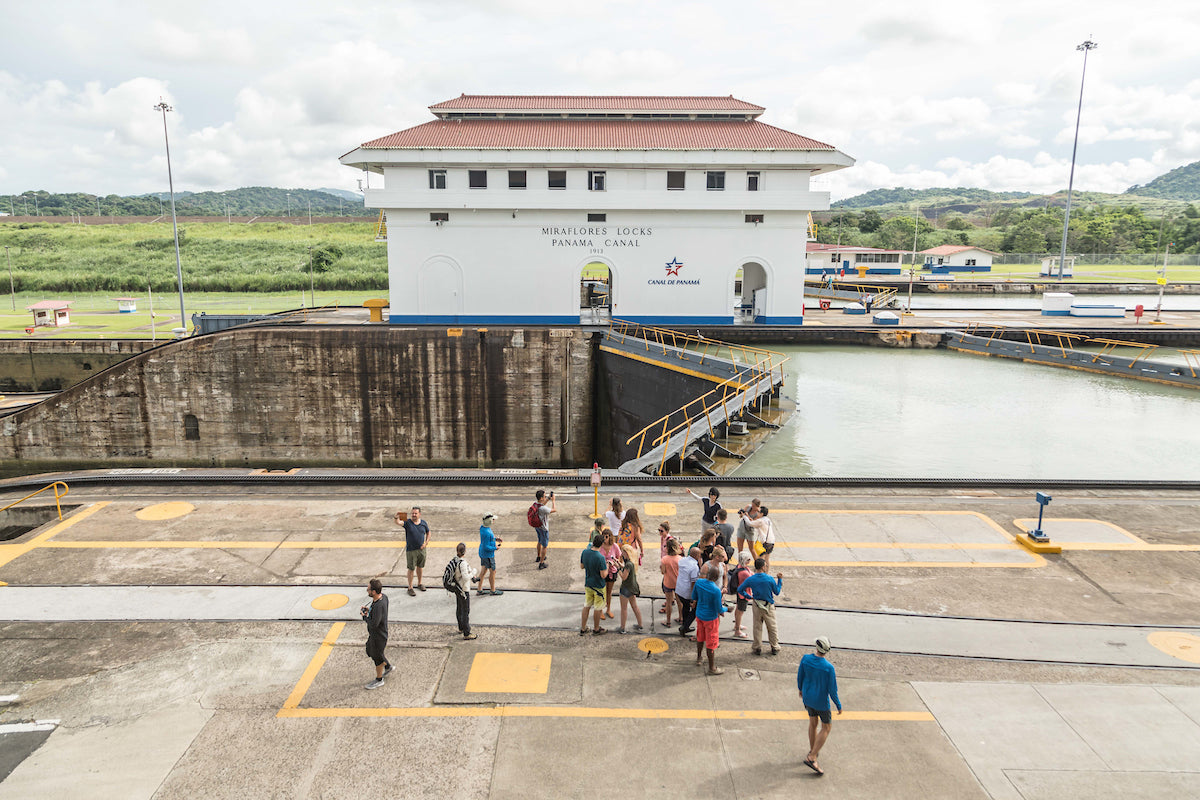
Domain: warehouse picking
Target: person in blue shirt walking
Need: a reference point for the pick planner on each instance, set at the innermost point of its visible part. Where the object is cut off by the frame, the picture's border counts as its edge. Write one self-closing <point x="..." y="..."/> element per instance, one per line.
<point x="488" y="542"/>
<point x="817" y="683"/>
<point x="760" y="590"/>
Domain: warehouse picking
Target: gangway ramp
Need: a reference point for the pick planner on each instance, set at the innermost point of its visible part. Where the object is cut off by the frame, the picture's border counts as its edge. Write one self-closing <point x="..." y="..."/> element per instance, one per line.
<point x="744" y="378"/>
<point x="881" y="296"/>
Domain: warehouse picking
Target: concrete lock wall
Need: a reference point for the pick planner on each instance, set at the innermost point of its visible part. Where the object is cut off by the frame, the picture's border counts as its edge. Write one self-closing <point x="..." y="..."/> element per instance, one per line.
<point x="50" y="365"/>
<point x="338" y="395"/>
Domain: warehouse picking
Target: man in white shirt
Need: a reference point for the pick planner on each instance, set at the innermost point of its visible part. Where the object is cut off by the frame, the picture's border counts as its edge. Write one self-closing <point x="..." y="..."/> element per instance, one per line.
<point x="689" y="571"/>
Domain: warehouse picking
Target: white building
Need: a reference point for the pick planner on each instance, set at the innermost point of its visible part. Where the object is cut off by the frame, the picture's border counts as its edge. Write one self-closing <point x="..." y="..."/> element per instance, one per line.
<point x="495" y="209"/>
<point x="958" y="258"/>
<point x="825" y="259"/>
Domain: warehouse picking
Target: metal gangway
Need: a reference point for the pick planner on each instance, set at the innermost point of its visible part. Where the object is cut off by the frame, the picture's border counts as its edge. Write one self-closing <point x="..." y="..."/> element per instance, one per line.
<point x="754" y="373"/>
<point x="881" y="296"/>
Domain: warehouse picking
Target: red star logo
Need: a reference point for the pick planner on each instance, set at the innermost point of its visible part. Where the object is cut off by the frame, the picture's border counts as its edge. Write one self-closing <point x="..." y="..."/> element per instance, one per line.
<point x="673" y="267"/>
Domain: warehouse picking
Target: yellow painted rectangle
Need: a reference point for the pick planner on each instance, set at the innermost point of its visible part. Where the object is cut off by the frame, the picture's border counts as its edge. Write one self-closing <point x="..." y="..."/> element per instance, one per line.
<point x="510" y="673"/>
<point x="660" y="509"/>
<point x="454" y="331"/>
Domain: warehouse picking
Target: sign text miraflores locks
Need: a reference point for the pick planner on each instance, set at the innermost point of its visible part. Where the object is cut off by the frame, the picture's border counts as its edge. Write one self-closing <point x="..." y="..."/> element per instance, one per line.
<point x="588" y="236"/>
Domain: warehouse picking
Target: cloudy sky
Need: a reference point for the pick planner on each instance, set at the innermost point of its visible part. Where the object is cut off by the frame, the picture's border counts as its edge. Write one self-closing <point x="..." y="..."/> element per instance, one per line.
<point x="924" y="93"/>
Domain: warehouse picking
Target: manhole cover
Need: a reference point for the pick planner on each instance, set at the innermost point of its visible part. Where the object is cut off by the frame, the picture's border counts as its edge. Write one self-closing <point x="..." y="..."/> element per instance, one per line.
<point x="652" y="645"/>
<point x="749" y="674"/>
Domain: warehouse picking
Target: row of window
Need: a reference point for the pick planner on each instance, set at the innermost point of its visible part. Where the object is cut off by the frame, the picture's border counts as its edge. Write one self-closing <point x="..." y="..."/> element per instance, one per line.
<point x="444" y="216"/>
<point x="596" y="181"/>
<point x="868" y="258"/>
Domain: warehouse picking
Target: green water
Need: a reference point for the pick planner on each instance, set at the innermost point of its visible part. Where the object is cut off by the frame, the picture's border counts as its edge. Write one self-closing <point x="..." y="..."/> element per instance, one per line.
<point x="877" y="412"/>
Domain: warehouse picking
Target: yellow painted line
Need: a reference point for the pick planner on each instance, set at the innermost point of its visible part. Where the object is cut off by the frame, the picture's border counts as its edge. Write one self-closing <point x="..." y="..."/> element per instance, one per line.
<point x="1028" y="525"/>
<point x="314" y="666"/>
<point x="904" y="545"/>
<point x="9" y="552"/>
<point x="1130" y="547"/>
<point x="1037" y="562"/>
<point x="665" y="361"/>
<point x="586" y="712"/>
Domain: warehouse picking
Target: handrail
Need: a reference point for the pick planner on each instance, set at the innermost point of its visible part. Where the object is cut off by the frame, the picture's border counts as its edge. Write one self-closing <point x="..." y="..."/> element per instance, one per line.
<point x="57" y="496"/>
<point x="704" y="346"/>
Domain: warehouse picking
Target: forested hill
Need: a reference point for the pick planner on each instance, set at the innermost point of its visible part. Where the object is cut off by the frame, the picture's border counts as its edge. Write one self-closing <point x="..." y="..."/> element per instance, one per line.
<point x="249" y="201"/>
<point x="1182" y="183"/>
<point x="941" y="196"/>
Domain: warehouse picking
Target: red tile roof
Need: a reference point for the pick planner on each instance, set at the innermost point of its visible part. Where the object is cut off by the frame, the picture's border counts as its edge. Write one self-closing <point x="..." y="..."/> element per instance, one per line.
<point x="49" y="305"/>
<point x="822" y="247"/>
<point x="596" y="134"/>
<point x="951" y="249"/>
<point x="577" y="102"/>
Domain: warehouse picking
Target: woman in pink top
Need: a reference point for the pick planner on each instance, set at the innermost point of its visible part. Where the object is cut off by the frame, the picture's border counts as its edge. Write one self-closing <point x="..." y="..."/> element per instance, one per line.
<point x="670" y="573"/>
<point x="615" y="559"/>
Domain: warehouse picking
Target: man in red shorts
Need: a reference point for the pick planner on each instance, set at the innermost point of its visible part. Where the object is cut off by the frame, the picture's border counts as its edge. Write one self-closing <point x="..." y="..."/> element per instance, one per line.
<point x="709" y="609"/>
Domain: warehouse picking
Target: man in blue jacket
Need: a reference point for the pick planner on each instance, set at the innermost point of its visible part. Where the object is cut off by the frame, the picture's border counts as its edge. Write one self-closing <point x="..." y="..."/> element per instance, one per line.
<point x="817" y="683"/>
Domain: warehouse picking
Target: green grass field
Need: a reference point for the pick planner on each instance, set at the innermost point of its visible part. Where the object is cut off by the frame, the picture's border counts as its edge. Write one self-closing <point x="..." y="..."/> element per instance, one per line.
<point x="94" y="315"/>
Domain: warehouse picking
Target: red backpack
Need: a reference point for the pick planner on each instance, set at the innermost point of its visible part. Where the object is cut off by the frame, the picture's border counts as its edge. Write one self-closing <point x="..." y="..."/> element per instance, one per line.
<point x="532" y="517"/>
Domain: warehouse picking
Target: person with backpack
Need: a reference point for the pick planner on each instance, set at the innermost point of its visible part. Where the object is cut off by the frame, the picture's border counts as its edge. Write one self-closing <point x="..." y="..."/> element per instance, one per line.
<point x="538" y="517"/>
<point x="456" y="579"/>
<point x="736" y="576"/>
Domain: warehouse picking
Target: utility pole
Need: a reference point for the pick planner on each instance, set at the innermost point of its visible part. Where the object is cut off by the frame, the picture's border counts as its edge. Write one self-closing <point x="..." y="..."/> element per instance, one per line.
<point x="312" y="292"/>
<point x="310" y="211"/>
<point x="1162" y="283"/>
<point x="1086" y="47"/>
<point x="289" y="205"/>
<point x="164" y="108"/>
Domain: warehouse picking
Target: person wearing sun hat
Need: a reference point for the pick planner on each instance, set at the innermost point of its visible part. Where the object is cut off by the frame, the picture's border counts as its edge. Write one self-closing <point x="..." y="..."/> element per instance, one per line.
<point x="817" y="683"/>
<point x="488" y="542"/>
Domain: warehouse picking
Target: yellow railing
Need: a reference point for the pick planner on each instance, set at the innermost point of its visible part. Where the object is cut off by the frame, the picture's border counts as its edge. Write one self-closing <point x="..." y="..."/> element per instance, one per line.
<point x="706" y="348"/>
<point x="731" y="395"/>
<point x="381" y="228"/>
<point x="57" y="496"/>
<point x="880" y="295"/>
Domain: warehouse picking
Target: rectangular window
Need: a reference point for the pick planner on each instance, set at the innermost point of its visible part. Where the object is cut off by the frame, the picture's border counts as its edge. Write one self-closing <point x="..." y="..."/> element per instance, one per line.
<point x="716" y="181"/>
<point x="439" y="216"/>
<point x="477" y="178"/>
<point x="516" y="179"/>
<point x="751" y="181"/>
<point x="835" y="257"/>
<point x="557" y="178"/>
<point x="596" y="180"/>
<point x="597" y="217"/>
<point x="675" y="180"/>
<point x="437" y="179"/>
<point x="754" y="218"/>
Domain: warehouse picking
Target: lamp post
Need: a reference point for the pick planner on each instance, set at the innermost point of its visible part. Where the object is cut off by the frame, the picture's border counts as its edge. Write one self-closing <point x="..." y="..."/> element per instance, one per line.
<point x="164" y="108"/>
<point x="1085" y="47"/>
<point x="12" y="291"/>
<point x="289" y="205"/>
<point x="312" y="292"/>
<point x="1162" y="283"/>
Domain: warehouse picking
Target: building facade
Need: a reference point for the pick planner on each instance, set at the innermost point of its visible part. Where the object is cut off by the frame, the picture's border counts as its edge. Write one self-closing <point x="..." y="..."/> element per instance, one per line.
<point x="525" y="209"/>
<point x="958" y="258"/>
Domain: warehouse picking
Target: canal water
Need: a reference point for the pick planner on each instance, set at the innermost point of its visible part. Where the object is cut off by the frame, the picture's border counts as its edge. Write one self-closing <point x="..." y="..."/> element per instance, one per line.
<point x="879" y="412"/>
<point x="1012" y="302"/>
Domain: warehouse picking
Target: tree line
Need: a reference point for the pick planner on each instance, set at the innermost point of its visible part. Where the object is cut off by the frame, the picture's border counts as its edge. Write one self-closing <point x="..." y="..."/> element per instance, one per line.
<point x="249" y="201"/>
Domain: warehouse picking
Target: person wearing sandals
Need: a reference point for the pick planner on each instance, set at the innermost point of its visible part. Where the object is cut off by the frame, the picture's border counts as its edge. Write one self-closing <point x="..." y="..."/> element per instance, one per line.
<point x="816" y="681"/>
<point x="488" y="542"/>
<point x="711" y="506"/>
<point x="736" y="576"/>
<point x="708" y="618"/>
<point x="614" y="558"/>
<point x="594" y="567"/>
<point x="670" y="574"/>
<point x="630" y="591"/>
<point x="631" y="533"/>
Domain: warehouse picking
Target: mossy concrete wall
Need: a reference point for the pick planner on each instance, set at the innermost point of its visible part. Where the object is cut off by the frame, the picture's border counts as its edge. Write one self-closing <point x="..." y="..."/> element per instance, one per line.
<point x="344" y="395"/>
<point x="50" y="365"/>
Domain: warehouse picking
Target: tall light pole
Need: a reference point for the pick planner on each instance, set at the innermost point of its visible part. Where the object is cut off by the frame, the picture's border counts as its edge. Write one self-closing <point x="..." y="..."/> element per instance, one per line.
<point x="1085" y="47"/>
<point x="12" y="291"/>
<point x="164" y="108"/>
<point x="312" y="286"/>
<point x="289" y="205"/>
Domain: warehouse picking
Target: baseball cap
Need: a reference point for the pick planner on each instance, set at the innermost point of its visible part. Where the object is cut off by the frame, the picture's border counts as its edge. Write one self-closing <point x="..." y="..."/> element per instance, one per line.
<point x="823" y="645"/>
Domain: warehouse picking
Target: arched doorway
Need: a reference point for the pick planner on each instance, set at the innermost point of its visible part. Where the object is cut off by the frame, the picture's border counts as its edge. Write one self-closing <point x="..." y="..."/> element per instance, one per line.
<point x="440" y="290"/>
<point x="595" y="293"/>
<point x="752" y="292"/>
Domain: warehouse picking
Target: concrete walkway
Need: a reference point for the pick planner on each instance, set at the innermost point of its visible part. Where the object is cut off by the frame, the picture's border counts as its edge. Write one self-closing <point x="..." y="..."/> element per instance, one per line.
<point x="1064" y="643"/>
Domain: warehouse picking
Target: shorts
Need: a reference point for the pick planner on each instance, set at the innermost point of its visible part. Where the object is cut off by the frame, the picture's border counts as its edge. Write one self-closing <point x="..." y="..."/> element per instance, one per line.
<point x="415" y="559"/>
<point x="666" y="589"/>
<point x="627" y="593"/>
<point x="706" y="632"/>
<point x="593" y="598"/>
<point x="742" y="604"/>
<point x="375" y="645"/>
<point x="543" y="537"/>
<point x="487" y="563"/>
<point x="825" y="716"/>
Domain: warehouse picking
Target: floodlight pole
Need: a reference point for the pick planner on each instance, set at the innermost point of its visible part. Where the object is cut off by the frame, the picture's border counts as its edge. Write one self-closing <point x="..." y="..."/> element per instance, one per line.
<point x="1085" y="47"/>
<point x="164" y="108"/>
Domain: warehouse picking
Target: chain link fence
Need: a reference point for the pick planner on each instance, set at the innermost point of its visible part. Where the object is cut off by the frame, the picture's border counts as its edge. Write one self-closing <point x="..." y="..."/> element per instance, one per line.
<point x="1102" y="259"/>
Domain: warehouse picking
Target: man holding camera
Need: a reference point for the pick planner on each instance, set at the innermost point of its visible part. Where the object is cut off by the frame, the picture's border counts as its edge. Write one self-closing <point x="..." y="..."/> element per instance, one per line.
<point x="376" y="617"/>
<point x="544" y="510"/>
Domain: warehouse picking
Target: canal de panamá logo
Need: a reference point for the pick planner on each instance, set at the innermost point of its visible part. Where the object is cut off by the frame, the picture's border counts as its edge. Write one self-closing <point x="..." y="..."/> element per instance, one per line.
<point x="672" y="277"/>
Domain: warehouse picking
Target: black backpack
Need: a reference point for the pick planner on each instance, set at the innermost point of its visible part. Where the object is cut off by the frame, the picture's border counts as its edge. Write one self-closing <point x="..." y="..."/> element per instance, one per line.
<point x="450" y="576"/>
